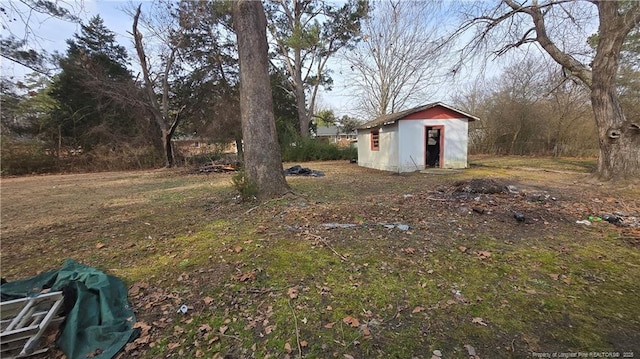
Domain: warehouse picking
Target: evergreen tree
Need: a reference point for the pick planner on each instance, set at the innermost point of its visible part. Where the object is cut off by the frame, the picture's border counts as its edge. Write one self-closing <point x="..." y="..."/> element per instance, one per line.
<point x="93" y="90"/>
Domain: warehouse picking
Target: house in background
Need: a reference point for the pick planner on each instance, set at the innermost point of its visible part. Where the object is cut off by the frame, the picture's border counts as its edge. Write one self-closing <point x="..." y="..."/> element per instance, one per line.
<point x="336" y="135"/>
<point x="429" y="136"/>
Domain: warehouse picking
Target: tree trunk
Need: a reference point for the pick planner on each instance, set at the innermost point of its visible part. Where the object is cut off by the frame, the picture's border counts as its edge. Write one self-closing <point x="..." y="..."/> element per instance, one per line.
<point x="262" y="160"/>
<point x="619" y="139"/>
<point x="301" y="102"/>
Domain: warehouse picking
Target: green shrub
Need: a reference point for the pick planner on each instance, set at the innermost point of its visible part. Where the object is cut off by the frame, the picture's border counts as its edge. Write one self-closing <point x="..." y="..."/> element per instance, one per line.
<point x="310" y="149"/>
<point x="20" y="158"/>
<point x="247" y="189"/>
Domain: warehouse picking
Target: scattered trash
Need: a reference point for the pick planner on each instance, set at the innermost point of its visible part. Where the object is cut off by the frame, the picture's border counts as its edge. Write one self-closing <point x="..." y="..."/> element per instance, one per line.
<point x="298" y="170"/>
<point x="183" y="309"/>
<point x="585" y="222"/>
<point x="437" y="353"/>
<point x="617" y="220"/>
<point x="400" y="226"/>
<point x="407" y="196"/>
<point x="595" y="219"/>
<point x="519" y="217"/>
<point x="339" y="225"/>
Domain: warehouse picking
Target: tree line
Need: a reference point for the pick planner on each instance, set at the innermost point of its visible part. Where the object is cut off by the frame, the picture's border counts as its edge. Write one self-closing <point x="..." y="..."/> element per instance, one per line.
<point x="577" y="100"/>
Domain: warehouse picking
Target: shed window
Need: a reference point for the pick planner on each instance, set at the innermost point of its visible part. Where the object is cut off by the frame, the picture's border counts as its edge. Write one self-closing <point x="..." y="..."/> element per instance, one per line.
<point x="375" y="140"/>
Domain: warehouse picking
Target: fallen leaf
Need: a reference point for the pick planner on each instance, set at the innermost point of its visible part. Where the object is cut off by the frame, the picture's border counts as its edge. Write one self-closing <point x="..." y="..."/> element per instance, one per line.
<point x="223" y="329"/>
<point x="366" y="332"/>
<point x="207" y="300"/>
<point x="214" y="339"/>
<point x="531" y="291"/>
<point x="205" y="328"/>
<point x="462" y="249"/>
<point x="287" y="347"/>
<point x="554" y="276"/>
<point x="100" y="245"/>
<point x="304" y="344"/>
<point x="292" y="292"/>
<point x="484" y="254"/>
<point x="347" y="356"/>
<point x="417" y="310"/>
<point x="329" y="325"/>
<point x="268" y="329"/>
<point x="409" y="250"/>
<point x="353" y="322"/>
<point x="172" y="346"/>
<point x="238" y="249"/>
<point x="567" y="280"/>
<point x="246" y="277"/>
<point x="478" y="320"/>
<point x="199" y="353"/>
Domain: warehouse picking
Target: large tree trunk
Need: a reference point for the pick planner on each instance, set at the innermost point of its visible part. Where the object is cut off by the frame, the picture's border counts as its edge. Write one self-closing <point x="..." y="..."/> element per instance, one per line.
<point x="619" y="139"/>
<point x="262" y="160"/>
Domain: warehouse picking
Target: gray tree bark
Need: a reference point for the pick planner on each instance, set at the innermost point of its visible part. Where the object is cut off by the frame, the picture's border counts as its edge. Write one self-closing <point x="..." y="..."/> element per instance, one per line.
<point x="262" y="160"/>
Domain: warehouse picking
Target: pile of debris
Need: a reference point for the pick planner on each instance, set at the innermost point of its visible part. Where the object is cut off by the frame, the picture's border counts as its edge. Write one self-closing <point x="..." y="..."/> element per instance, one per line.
<point x="219" y="166"/>
<point x="298" y="170"/>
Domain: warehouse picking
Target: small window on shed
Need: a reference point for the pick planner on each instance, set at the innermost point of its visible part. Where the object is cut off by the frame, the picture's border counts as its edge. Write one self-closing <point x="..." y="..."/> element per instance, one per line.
<point x="375" y="140"/>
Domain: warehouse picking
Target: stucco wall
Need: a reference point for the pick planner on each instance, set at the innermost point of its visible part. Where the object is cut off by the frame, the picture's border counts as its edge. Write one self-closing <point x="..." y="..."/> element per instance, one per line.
<point x="411" y="151"/>
<point x="384" y="159"/>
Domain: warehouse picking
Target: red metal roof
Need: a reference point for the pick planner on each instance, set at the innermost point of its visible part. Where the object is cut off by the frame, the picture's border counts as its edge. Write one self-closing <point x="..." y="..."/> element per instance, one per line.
<point x="392" y="118"/>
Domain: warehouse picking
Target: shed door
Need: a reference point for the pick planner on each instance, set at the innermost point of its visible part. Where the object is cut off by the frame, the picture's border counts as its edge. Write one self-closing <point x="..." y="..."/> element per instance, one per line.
<point x="434" y="146"/>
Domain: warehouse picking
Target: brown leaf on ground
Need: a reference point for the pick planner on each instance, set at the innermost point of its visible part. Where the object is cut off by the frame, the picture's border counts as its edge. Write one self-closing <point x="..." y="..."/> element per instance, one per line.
<point x="409" y="250"/>
<point x="329" y="325"/>
<point x="462" y="249"/>
<point x="417" y="310"/>
<point x="366" y="332"/>
<point x="238" y="249"/>
<point x="554" y="276"/>
<point x="304" y="344"/>
<point x="292" y="292"/>
<point x="351" y="321"/>
<point x="246" y="277"/>
<point x="207" y="300"/>
<point x="287" y="347"/>
<point x="223" y="329"/>
<point x="199" y="353"/>
<point x="100" y="245"/>
<point x="204" y="328"/>
<point x="172" y="346"/>
<point x="484" y="254"/>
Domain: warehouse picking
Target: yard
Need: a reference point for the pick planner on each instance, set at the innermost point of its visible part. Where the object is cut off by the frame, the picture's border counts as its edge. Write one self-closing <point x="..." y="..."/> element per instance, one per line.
<point x="331" y="270"/>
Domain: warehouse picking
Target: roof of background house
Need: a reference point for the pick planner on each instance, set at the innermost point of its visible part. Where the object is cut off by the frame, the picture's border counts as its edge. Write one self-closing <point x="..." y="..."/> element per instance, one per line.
<point x="324" y="131"/>
<point x="393" y="117"/>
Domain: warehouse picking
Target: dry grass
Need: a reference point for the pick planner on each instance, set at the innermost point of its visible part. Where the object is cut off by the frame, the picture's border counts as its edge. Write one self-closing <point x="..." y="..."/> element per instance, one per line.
<point x="268" y="278"/>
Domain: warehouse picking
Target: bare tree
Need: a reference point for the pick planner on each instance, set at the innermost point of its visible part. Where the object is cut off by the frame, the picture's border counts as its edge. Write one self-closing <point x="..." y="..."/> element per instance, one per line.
<point x="166" y="121"/>
<point x="547" y="24"/>
<point x="262" y="161"/>
<point x="399" y="59"/>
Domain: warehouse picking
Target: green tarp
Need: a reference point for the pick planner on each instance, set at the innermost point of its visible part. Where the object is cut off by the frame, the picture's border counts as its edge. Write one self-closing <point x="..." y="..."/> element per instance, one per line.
<point x="100" y="320"/>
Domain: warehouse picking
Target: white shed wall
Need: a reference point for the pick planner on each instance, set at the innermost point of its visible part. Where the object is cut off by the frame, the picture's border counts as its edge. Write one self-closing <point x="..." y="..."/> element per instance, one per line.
<point x="411" y="152"/>
<point x="384" y="159"/>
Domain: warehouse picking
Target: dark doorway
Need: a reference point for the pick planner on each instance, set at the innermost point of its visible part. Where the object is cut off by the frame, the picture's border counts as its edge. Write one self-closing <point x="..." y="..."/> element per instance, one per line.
<point x="433" y="148"/>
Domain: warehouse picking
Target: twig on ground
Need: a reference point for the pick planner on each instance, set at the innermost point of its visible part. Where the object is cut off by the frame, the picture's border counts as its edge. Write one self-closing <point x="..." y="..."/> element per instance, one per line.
<point x="324" y="241"/>
<point x="295" y="321"/>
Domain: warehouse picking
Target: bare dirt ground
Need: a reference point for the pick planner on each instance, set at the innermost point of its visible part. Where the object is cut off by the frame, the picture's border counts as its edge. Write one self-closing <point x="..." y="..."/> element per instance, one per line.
<point x="506" y="272"/>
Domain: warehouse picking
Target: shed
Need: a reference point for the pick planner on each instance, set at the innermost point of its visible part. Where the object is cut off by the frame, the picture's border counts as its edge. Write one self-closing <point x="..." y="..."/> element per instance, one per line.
<point x="429" y="136"/>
